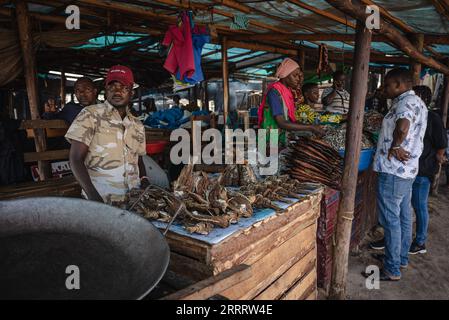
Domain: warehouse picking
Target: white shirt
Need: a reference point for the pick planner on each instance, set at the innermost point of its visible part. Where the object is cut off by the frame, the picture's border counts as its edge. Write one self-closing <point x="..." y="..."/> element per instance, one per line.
<point x="340" y="104"/>
<point x="407" y="106"/>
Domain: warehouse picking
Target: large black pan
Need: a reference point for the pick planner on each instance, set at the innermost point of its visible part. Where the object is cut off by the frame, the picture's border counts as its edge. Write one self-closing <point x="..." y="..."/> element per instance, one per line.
<point x="45" y="243"/>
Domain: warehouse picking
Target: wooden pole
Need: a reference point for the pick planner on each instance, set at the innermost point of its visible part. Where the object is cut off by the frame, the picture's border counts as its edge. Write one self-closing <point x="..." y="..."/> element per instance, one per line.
<point x="62" y="91"/>
<point x="445" y="101"/>
<point x="418" y="41"/>
<point x="206" y="96"/>
<point x="224" y="62"/>
<point x="26" y="43"/>
<point x="359" y="83"/>
<point x="139" y="92"/>
<point x="302" y="58"/>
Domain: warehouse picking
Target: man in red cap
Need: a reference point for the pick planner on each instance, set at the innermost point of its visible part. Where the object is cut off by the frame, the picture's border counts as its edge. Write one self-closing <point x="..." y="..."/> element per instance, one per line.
<point x="108" y="142"/>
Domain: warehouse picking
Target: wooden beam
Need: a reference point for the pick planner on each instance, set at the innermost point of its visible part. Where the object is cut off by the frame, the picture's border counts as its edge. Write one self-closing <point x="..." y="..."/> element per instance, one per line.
<point x="62" y="89"/>
<point x="302" y="59"/>
<point x="322" y="13"/>
<point x="224" y="62"/>
<point x="46" y="155"/>
<point x="214" y="285"/>
<point x="198" y="6"/>
<point x="359" y="85"/>
<point x="398" y="23"/>
<point x="248" y="10"/>
<point x="43" y="124"/>
<point x="29" y="63"/>
<point x="358" y="11"/>
<point x="428" y="39"/>
<point x="418" y="41"/>
<point x="261" y="47"/>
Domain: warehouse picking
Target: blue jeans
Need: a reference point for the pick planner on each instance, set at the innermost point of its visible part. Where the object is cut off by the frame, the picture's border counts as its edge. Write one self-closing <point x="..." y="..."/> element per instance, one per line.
<point x="395" y="215"/>
<point x="420" y="197"/>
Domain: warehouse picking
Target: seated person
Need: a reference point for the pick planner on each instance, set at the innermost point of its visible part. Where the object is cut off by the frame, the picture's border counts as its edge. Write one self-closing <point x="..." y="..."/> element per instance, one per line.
<point x="311" y="95"/>
<point x="85" y="92"/>
<point x="336" y="99"/>
<point x="377" y="102"/>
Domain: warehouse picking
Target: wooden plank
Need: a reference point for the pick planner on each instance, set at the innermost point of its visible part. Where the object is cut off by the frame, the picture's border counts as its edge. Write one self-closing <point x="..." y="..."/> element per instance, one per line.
<point x="273" y="265"/>
<point x="189" y="268"/>
<point x="213" y="285"/>
<point x="43" y="124"/>
<point x="189" y="247"/>
<point x="258" y="249"/>
<point x="302" y="288"/>
<point x="266" y="234"/>
<point x="357" y="11"/>
<point x="46" y="155"/>
<point x="313" y="295"/>
<point x="289" y="278"/>
<point x="225" y="71"/>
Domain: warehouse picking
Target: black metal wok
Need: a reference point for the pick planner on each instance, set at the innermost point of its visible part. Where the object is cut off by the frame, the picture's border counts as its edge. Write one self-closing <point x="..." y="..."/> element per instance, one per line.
<point x="119" y="254"/>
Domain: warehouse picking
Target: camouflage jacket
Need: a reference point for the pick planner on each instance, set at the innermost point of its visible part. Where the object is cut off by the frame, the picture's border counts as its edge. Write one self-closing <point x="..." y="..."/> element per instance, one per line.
<point x="114" y="148"/>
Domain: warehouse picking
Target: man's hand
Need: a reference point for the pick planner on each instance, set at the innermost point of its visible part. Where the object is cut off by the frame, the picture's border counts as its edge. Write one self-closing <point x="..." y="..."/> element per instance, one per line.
<point x="400" y="154"/>
<point x="50" y="106"/>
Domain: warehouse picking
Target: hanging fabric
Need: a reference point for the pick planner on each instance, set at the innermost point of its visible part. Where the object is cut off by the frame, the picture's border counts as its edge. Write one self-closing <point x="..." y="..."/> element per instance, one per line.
<point x="179" y="40"/>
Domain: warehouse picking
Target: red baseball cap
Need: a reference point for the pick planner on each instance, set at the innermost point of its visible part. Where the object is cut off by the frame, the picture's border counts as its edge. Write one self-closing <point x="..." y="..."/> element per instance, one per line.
<point x="122" y="74"/>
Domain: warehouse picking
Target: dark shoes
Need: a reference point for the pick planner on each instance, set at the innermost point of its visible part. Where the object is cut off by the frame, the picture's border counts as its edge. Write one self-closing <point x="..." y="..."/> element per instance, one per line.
<point x="383" y="276"/>
<point x="416" y="248"/>
<point x="378" y="245"/>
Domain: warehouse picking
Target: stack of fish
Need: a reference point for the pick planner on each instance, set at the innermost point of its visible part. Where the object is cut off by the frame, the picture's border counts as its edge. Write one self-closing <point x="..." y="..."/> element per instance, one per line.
<point x="201" y="203"/>
<point x="313" y="160"/>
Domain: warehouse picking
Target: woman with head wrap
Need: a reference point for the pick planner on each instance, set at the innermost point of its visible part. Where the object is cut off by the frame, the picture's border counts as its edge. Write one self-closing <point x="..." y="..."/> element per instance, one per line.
<point x="277" y="110"/>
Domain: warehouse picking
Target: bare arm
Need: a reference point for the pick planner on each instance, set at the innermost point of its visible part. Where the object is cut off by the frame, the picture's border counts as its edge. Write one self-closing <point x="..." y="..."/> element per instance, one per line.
<point x="399" y="135"/>
<point x="78" y="153"/>
<point x="287" y="125"/>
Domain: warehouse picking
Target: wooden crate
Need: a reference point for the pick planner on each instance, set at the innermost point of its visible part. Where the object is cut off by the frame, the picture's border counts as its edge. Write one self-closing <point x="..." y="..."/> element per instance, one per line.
<point x="280" y="251"/>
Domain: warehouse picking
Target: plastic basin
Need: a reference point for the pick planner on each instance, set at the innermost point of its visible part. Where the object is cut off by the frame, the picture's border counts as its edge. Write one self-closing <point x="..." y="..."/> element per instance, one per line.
<point x="366" y="158"/>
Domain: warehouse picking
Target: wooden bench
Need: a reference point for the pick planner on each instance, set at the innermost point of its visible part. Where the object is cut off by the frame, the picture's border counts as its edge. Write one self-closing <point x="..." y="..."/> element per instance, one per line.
<point x="53" y="128"/>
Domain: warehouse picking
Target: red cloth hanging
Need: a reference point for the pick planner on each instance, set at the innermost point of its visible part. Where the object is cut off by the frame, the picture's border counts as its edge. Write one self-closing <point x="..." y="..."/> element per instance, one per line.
<point x="180" y="55"/>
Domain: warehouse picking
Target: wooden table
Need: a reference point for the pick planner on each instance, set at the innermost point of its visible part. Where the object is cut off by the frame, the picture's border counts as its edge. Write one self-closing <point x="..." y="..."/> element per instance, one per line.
<point x="279" y="250"/>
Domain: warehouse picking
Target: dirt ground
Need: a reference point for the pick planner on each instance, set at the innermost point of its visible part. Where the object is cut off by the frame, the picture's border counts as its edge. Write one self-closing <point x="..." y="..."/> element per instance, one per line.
<point x="427" y="276"/>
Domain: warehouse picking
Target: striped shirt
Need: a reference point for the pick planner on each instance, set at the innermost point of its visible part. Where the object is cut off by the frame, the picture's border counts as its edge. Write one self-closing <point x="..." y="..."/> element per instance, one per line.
<point x="340" y="103"/>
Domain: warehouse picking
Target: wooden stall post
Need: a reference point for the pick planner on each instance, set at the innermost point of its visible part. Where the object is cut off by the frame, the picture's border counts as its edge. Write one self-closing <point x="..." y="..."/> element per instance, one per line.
<point x="302" y="58"/>
<point x="26" y="43"/>
<point x="206" y="96"/>
<point x="445" y="101"/>
<point x="418" y="41"/>
<point x="224" y="62"/>
<point x="359" y="84"/>
<point x="62" y="90"/>
<point x="139" y="92"/>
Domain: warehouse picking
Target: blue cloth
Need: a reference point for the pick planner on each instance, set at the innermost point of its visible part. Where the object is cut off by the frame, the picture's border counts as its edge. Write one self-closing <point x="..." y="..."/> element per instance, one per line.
<point x="167" y="119"/>
<point x="420" y="197"/>
<point x="198" y="41"/>
<point x="274" y="100"/>
<point x="394" y="204"/>
<point x="68" y="113"/>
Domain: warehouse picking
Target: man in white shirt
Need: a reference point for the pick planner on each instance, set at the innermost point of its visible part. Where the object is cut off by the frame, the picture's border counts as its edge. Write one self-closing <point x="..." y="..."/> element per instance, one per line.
<point x="397" y="160"/>
<point x="336" y="99"/>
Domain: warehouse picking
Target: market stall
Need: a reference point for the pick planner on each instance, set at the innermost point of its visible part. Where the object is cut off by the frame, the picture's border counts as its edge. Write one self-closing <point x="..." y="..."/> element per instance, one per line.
<point x="273" y="234"/>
